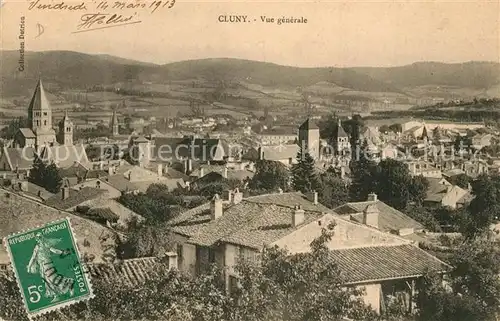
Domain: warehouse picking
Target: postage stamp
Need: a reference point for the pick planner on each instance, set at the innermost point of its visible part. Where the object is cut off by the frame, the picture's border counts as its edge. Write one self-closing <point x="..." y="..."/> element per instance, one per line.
<point x="48" y="268"/>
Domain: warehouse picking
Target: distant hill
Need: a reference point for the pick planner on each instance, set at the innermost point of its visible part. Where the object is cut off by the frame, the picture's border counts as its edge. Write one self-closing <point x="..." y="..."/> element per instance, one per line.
<point x="78" y="70"/>
<point x="474" y="74"/>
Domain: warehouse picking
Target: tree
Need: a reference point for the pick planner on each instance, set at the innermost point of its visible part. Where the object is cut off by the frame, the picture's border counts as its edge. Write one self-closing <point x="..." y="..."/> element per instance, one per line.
<point x="363" y="178"/>
<point x="146" y="241"/>
<point x="46" y="176"/>
<point x="333" y="190"/>
<point x="397" y="128"/>
<point x="13" y="127"/>
<point x="152" y="209"/>
<point x="474" y="285"/>
<point x="354" y="127"/>
<point x="390" y="180"/>
<point x="304" y="176"/>
<point x="296" y="287"/>
<point x="461" y="180"/>
<point x="270" y="176"/>
<point x="484" y="209"/>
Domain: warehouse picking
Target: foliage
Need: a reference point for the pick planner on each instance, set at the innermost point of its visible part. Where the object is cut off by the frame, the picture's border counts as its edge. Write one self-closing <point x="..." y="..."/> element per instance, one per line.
<point x="46" y="176"/>
<point x="154" y="210"/>
<point x="13" y="127"/>
<point x="146" y="241"/>
<point x="390" y="180"/>
<point x="333" y="190"/>
<point x="424" y="216"/>
<point x="484" y="209"/>
<point x="89" y="133"/>
<point x="354" y="127"/>
<point x="270" y="176"/>
<point x="474" y="285"/>
<point x="279" y="286"/>
<point x="304" y="176"/>
<point x="461" y="180"/>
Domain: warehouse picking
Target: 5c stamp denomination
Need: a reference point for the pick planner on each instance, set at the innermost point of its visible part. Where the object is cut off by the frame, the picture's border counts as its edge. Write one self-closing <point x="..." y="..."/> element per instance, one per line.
<point x="48" y="268"/>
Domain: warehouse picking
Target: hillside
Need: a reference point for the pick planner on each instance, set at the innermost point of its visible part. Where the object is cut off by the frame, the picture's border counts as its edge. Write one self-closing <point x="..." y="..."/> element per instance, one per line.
<point x="474" y="74"/>
<point x="73" y="70"/>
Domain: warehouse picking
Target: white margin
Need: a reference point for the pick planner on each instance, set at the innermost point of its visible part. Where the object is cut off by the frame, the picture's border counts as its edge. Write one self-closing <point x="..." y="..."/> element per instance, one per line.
<point x="55" y="307"/>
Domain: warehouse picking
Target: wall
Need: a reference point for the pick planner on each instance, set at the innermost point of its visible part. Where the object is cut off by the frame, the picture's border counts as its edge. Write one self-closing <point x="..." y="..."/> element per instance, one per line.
<point x="372" y="295"/>
<point x="346" y="234"/>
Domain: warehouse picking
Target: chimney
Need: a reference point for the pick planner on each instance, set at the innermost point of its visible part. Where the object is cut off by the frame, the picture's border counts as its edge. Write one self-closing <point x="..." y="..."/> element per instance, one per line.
<point x="110" y="170"/>
<point x="101" y="165"/>
<point x="202" y="172"/>
<point x="65" y="192"/>
<point x="297" y="216"/>
<point x="280" y="190"/>
<point x="261" y="153"/>
<point x="372" y="197"/>
<point x="312" y="197"/>
<point x="23" y="186"/>
<point x="242" y="166"/>
<point x="228" y="196"/>
<point x="160" y="170"/>
<point x="370" y="216"/>
<point x="237" y="196"/>
<point x="28" y="173"/>
<point x="224" y="172"/>
<point x="342" y="172"/>
<point x="216" y="207"/>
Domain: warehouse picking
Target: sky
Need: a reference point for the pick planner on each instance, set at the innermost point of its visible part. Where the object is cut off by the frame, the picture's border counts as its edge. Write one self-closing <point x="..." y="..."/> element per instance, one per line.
<point x="341" y="34"/>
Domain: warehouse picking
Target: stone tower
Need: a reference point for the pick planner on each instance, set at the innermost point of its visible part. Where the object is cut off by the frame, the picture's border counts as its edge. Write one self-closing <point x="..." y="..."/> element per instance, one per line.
<point x="40" y="117"/>
<point x="66" y="131"/>
<point x="309" y="138"/>
<point x="114" y="124"/>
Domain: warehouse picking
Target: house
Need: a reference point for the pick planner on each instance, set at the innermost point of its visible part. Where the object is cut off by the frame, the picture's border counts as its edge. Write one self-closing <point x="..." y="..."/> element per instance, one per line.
<point x="286" y="154"/>
<point x="137" y="179"/>
<point x="442" y="193"/>
<point x="99" y="183"/>
<point x="423" y="168"/>
<point x="481" y="140"/>
<point x="68" y="199"/>
<point x="386" y="218"/>
<point x="225" y="230"/>
<point x="17" y="213"/>
<point x="277" y="136"/>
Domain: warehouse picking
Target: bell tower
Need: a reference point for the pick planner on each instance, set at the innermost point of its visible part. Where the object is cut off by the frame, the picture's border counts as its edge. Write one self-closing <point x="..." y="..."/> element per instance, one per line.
<point x="66" y="131"/>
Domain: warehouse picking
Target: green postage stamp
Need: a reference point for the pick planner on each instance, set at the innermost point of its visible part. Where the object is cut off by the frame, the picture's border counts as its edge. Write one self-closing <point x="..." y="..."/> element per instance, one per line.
<point x="48" y="268"/>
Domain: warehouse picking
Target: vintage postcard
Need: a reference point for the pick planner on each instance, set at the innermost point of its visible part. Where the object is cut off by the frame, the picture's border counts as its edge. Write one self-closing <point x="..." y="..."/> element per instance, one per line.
<point x="48" y="267"/>
<point x="189" y="160"/>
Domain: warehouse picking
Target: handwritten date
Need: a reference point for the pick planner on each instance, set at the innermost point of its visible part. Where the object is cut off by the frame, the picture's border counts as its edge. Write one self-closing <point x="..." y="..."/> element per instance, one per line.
<point x="93" y="20"/>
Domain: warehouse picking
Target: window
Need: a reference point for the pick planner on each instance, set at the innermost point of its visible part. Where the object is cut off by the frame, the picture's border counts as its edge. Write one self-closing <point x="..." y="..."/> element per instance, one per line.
<point x="45" y="123"/>
<point x="68" y="129"/>
<point x="45" y="113"/>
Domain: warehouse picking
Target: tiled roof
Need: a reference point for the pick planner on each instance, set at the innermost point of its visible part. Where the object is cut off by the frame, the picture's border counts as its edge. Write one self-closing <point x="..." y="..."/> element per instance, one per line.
<point x="390" y="219"/>
<point x="27" y="132"/>
<point x="39" y="100"/>
<point x="65" y="156"/>
<point x="253" y="222"/>
<point x="76" y="197"/>
<point x="19" y="213"/>
<point x="106" y="206"/>
<point x="127" y="273"/>
<point x="20" y="157"/>
<point x="377" y="263"/>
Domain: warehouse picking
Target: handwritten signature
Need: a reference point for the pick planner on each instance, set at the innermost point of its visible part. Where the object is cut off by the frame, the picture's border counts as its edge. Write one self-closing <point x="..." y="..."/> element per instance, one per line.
<point x="93" y="21"/>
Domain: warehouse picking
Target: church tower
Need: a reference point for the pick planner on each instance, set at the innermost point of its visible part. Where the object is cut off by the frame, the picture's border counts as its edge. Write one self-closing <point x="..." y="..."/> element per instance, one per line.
<point x="309" y="138"/>
<point x="66" y="131"/>
<point x="114" y="124"/>
<point x="40" y="117"/>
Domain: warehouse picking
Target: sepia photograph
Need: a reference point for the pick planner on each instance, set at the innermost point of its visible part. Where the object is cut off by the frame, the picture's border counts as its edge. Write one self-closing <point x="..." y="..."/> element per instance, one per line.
<point x="180" y="160"/>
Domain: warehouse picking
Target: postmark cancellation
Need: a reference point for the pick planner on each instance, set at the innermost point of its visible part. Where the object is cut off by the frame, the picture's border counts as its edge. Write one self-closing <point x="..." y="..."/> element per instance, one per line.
<point x="48" y="267"/>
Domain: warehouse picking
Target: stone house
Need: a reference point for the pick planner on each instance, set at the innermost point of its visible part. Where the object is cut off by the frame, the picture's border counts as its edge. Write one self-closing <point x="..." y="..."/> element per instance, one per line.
<point x="225" y="230"/>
